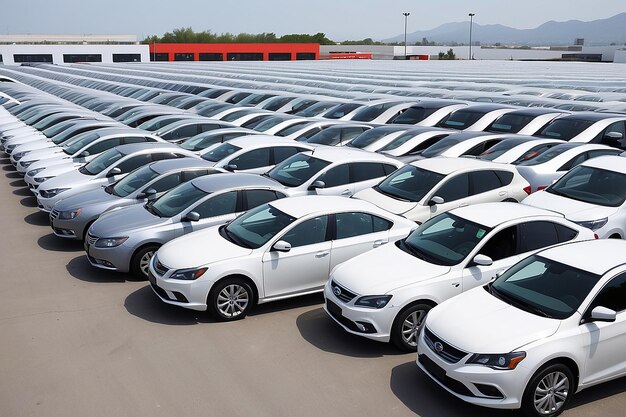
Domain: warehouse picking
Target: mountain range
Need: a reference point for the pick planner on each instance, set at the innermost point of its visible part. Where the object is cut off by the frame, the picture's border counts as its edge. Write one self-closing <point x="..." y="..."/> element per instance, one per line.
<point x="597" y="32"/>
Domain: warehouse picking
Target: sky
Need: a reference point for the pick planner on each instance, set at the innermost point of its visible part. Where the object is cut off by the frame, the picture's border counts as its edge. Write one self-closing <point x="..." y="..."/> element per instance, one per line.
<point x="339" y="19"/>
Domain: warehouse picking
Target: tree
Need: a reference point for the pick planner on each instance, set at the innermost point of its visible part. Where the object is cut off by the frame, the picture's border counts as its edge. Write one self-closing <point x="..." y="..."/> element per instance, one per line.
<point x="447" y="55"/>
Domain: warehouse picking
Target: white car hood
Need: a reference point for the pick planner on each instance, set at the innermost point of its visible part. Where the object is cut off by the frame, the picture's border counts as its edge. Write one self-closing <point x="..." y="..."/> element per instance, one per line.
<point x="199" y="248"/>
<point x="384" y="269"/>
<point x="44" y="153"/>
<point x="65" y="179"/>
<point x="574" y="210"/>
<point x="478" y="322"/>
<point x="384" y="202"/>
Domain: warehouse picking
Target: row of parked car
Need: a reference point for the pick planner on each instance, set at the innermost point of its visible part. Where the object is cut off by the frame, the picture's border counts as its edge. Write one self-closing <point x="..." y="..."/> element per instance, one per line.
<point x="432" y="252"/>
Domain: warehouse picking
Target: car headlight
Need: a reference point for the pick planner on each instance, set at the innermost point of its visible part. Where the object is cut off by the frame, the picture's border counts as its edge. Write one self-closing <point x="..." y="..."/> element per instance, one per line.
<point x="34" y="172"/>
<point x="17" y="155"/>
<point x="68" y="214"/>
<point x="594" y="224"/>
<point x="503" y="361"/>
<point x="26" y="164"/>
<point x="42" y="179"/>
<point x="373" y="301"/>
<point x="51" y="192"/>
<point x="188" y="274"/>
<point x="110" y="242"/>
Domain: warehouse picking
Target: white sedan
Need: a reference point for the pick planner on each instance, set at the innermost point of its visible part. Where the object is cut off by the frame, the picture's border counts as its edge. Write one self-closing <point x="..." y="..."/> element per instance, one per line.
<point x="548" y="327"/>
<point x="385" y="294"/>
<point x="278" y="250"/>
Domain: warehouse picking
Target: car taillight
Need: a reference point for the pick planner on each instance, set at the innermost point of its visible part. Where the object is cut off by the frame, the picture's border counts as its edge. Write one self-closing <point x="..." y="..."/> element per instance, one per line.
<point x="528" y="190"/>
<point x="542" y="187"/>
<point x="530" y="155"/>
<point x="595" y="235"/>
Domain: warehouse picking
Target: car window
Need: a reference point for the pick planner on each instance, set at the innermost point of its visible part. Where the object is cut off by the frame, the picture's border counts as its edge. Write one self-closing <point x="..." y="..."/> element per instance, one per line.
<point x="189" y="175"/>
<point x="283" y="152"/>
<point x="134" y="163"/>
<point x="578" y="159"/>
<point x="536" y="235"/>
<point x="565" y="233"/>
<point x="336" y="176"/>
<point x="134" y="139"/>
<point x="501" y="245"/>
<point x="253" y="159"/>
<point x="353" y="224"/>
<point x="103" y="146"/>
<point x="454" y="189"/>
<point x="350" y="133"/>
<point x="208" y="127"/>
<point x="181" y="132"/>
<point x="363" y="171"/>
<point x="483" y="181"/>
<point x="613" y="295"/>
<point x="218" y="205"/>
<point x="601" y="152"/>
<point x="255" y="198"/>
<point x="482" y="147"/>
<point x="505" y="177"/>
<point x="308" y="232"/>
<point x="166" y="183"/>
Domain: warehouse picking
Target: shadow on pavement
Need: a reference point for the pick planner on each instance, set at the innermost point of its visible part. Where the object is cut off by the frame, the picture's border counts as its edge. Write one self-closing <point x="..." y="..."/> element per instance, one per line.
<point x="19" y="183"/>
<point x="56" y="244"/>
<point x="5" y="161"/>
<point x="424" y="397"/>
<point x="81" y="269"/>
<point x="13" y="175"/>
<point x="24" y="191"/>
<point x="322" y="332"/>
<point x="288" y="304"/>
<point x="29" y="201"/>
<point x="9" y="168"/>
<point x="598" y="392"/>
<point x="38" y="218"/>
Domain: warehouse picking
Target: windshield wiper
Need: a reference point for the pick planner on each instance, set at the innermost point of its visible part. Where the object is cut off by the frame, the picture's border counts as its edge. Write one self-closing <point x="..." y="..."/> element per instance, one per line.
<point x="110" y="190"/>
<point x="517" y="302"/>
<point x="388" y="194"/>
<point x="234" y="239"/>
<point x="152" y="210"/>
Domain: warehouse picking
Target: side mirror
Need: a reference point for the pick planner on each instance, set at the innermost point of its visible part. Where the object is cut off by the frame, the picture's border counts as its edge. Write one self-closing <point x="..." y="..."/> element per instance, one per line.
<point x="230" y="167"/>
<point x="113" y="172"/>
<point x="482" y="260"/>
<point x="435" y="200"/>
<point x="282" y="246"/>
<point x="317" y="184"/>
<point x="192" y="216"/>
<point x="614" y="135"/>
<point x="84" y="154"/>
<point x="603" y="314"/>
<point x="150" y="194"/>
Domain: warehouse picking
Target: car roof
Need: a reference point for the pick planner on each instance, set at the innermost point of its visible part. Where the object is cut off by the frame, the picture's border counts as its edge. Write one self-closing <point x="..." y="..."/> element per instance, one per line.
<point x="436" y="104"/>
<point x="304" y="205"/>
<point x="343" y="154"/>
<point x="536" y="111"/>
<point x="263" y="140"/>
<point x="605" y="254"/>
<point x="444" y="165"/>
<point x="213" y="183"/>
<point x="494" y="214"/>
<point x="121" y="130"/>
<point x="591" y="116"/>
<point x="609" y="162"/>
<point x="167" y="165"/>
<point x="136" y="147"/>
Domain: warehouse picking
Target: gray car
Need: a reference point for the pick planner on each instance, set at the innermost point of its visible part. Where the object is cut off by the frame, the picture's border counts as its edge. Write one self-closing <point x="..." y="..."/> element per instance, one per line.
<point x="71" y="217"/>
<point x="124" y="240"/>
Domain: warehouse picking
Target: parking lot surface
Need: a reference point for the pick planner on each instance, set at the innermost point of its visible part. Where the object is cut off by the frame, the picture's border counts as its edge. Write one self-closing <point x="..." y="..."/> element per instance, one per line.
<point x="76" y="341"/>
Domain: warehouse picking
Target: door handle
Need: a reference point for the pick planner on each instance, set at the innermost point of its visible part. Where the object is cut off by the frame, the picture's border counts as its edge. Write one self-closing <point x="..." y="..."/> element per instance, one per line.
<point x="346" y="192"/>
<point x="379" y="243"/>
<point x="463" y="204"/>
<point x="502" y="193"/>
<point x="321" y="254"/>
<point x="456" y="284"/>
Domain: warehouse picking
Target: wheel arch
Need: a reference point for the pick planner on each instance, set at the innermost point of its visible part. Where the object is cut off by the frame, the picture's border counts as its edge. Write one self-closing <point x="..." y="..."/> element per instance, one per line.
<point x="566" y="361"/>
<point x="246" y="278"/>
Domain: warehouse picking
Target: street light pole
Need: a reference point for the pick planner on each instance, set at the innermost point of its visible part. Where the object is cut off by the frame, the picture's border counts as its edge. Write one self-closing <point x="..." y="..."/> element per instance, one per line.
<point x="471" y="16"/>
<point x="406" y="16"/>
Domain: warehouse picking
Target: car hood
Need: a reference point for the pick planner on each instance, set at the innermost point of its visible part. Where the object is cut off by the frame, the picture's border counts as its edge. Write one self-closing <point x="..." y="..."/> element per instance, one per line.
<point x="574" y="210"/>
<point x="85" y="199"/>
<point x="120" y="222"/>
<point x="372" y="273"/>
<point x="63" y="179"/>
<point x="43" y="153"/>
<point x="478" y="322"/>
<point x="385" y="202"/>
<point x="189" y="251"/>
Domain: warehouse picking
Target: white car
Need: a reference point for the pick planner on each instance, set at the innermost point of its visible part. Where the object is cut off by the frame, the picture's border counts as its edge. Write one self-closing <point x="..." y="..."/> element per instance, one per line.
<point x="520" y="148"/>
<point x="278" y="250"/>
<point x="376" y="138"/>
<point x="385" y="294"/>
<point x="548" y="327"/>
<point x="588" y="127"/>
<point x="381" y="111"/>
<point x="548" y="167"/>
<point x="524" y="121"/>
<point x="475" y="117"/>
<point x="429" y="187"/>
<point x="427" y="112"/>
<point x="593" y="195"/>
<point x="414" y="141"/>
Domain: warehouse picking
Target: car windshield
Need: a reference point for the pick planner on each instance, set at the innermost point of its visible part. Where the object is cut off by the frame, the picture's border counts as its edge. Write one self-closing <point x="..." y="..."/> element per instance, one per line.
<point x="461" y="119"/>
<point x="544" y="287"/>
<point x="77" y="143"/>
<point x="592" y="185"/>
<point x="221" y="152"/>
<point x="158" y="122"/>
<point x="413" y="115"/>
<point x="101" y="162"/>
<point x="256" y="227"/>
<point x="329" y="137"/>
<point x="497" y="150"/>
<point x="276" y="103"/>
<point x="341" y="110"/>
<point x="59" y="127"/>
<point x="369" y="137"/>
<point x="546" y="156"/>
<point x="409" y="183"/>
<point x="293" y="128"/>
<point x="316" y="109"/>
<point x="268" y="124"/>
<point x="297" y="170"/>
<point x="369" y="113"/>
<point x="441" y="146"/>
<point x="444" y="240"/>
<point x="399" y="141"/>
<point x="564" y="129"/>
<point x="133" y="181"/>
<point x="176" y="200"/>
<point x="510" y="123"/>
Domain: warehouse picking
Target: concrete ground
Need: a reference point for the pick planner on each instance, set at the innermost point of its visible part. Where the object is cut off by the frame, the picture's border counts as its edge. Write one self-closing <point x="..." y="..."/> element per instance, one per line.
<point x="77" y="341"/>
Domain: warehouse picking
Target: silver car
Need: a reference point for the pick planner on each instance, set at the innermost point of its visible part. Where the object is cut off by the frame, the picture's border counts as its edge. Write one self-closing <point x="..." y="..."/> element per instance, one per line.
<point x="71" y="217"/>
<point x="124" y="240"/>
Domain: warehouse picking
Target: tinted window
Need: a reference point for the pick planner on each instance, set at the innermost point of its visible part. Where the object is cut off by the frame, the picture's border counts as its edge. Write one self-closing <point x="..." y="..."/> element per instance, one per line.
<point x="134" y="163"/>
<point x="505" y="177"/>
<point x="167" y="183"/>
<point x="103" y="146"/>
<point x="218" y="205"/>
<point x="298" y="169"/>
<point x="577" y="160"/>
<point x="481" y="147"/>
<point x="483" y="181"/>
<point x="510" y="123"/>
<point x="363" y="171"/>
<point x="181" y="132"/>
<point x="308" y="232"/>
<point x="409" y="183"/>
<point x="370" y="113"/>
<point x="291" y="129"/>
<point x="283" y="152"/>
<point x="454" y="189"/>
<point x="461" y="119"/>
<point x="189" y="175"/>
<point x="565" y="233"/>
<point x="592" y="185"/>
<point x="336" y="176"/>
<point x="413" y="115"/>
<point x="613" y="295"/>
<point x="341" y="110"/>
<point x="356" y="224"/>
<point x="565" y="128"/>
<point x="220" y="152"/>
<point x="544" y="157"/>
<point x="536" y="235"/>
<point x="255" y="198"/>
<point x="134" y="139"/>
<point x="253" y="159"/>
<point x="502" y="245"/>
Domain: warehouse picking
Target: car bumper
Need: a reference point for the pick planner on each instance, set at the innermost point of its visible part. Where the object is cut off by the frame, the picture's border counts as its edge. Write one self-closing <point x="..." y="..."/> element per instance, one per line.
<point x="188" y="294"/>
<point x="112" y="259"/>
<point x="67" y="229"/>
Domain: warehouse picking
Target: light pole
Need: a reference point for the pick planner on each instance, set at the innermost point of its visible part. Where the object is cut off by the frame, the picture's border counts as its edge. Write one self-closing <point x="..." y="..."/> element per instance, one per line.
<point x="406" y="16"/>
<point x="471" y="16"/>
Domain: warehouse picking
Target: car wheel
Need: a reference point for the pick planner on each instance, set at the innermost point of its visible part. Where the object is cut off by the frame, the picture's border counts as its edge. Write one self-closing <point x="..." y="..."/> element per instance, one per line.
<point x="407" y="325"/>
<point x="230" y="299"/>
<point x="140" y="264"/>
<point x="549" y="391"/>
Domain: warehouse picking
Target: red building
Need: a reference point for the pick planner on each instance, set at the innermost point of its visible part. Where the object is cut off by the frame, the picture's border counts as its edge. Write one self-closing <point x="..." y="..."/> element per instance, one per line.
<point x="234" y="51"/>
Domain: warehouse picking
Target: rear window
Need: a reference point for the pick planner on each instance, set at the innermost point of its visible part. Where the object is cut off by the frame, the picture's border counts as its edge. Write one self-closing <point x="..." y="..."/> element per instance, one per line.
<point x="564" y="129"/>
<point x="510" y="123"/>
<point x="461" y="119"/>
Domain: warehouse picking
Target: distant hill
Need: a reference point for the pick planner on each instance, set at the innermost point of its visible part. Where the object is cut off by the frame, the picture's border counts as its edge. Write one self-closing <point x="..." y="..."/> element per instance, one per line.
<point x="596" y="32"/>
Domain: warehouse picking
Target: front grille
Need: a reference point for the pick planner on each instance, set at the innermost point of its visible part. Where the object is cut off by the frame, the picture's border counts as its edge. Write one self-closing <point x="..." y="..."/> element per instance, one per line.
<point x="159" y="291"/>
<point x="447" y="352"/>
<point x="91" y="239"/>
<point x="342" y="293"/>
<point x="335" y="311"/>
<point x="54" y="214"/>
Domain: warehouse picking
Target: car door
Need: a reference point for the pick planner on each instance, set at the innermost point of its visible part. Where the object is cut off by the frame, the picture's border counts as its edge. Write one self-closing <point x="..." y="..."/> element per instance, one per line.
<point x="306" y="266"/>
<point x="454" y="190"/>
<point x="605" y="341"/>
<point x="218" y="208"/>
<point x="368" y="174"/>
<point x="336" y="180"/>
<point x="356" y="233"/>
<point x="97" y="148"/>
<point x="485" y="187"/>
<point x="255" y="161"/>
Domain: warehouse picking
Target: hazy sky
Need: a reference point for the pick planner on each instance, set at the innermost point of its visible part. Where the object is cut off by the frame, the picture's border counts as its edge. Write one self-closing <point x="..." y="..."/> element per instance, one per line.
<point x="339" y="19"/>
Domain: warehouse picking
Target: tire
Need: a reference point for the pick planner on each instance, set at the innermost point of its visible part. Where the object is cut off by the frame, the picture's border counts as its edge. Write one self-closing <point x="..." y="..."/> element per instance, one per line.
<point x="549" y="391"/>
<point x="141" y="260"/>
<point x="230" y="299"/>
<point x="510" y="200"/>
<point x="615" y="236"/>
<point x="407" y="326"/>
